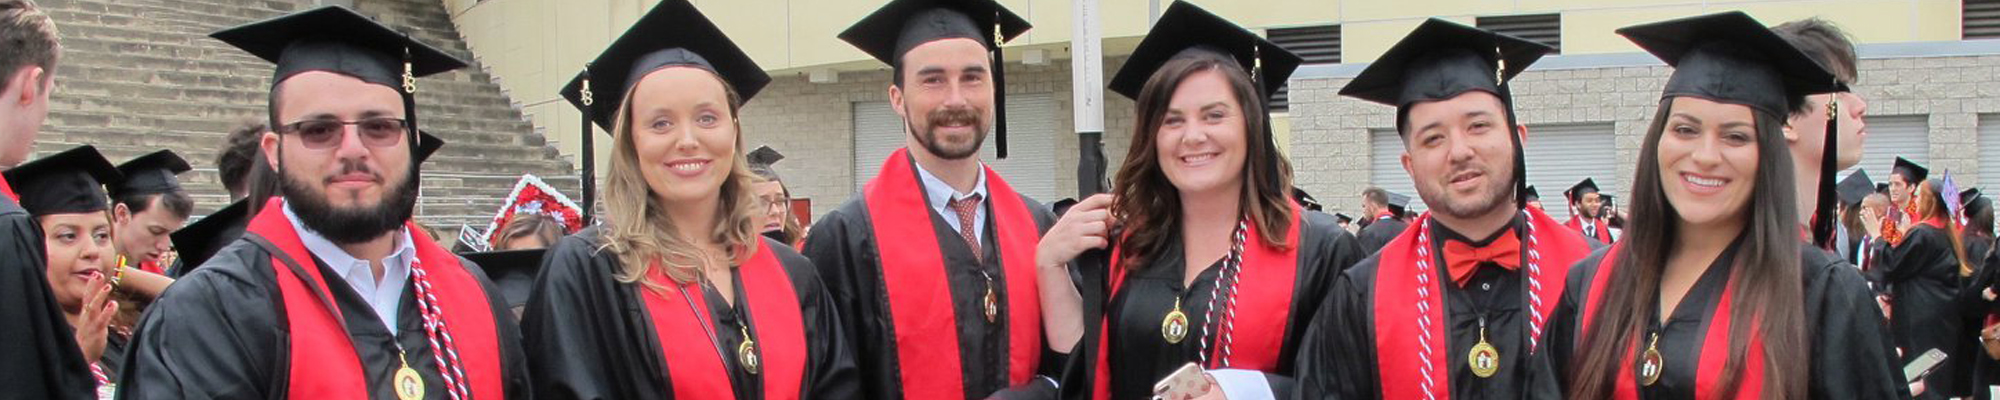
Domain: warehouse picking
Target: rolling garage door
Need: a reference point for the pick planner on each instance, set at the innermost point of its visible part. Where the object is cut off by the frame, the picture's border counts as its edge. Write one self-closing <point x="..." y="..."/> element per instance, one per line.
<point x="1558" y="156"/>
<point x="1891" y="136"/>
<point x="1031" y="130"/>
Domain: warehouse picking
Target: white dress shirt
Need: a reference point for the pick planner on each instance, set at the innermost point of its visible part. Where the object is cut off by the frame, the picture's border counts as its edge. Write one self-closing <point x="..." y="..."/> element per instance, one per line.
<point x="382" y="295"/>
<point x="941" y="194"/>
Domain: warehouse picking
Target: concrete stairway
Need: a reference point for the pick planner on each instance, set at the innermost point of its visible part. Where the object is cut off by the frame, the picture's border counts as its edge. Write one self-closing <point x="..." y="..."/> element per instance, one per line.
<point x="141" y="75"/>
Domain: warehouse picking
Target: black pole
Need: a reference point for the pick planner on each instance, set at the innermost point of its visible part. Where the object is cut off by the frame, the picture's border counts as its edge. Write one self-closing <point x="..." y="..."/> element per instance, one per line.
<point x="1090" y="164"/>
<point x="589" y="151"/>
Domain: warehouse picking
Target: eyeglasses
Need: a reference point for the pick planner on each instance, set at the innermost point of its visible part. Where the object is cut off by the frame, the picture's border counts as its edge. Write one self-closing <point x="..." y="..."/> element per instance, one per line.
<point x="323" y="134"/>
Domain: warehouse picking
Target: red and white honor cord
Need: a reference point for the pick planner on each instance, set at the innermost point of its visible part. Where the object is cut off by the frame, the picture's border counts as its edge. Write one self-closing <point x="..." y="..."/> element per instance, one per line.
<point x="1424" y="288"/>
<point x="1230" y="273"/>
<point x="445" y="352"/>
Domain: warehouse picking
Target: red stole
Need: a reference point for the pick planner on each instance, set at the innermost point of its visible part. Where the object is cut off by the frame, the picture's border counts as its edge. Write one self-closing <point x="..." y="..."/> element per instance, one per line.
<point x="693" y="367"/>
<point x="1399" y="338"/>
<point x="913" y="274"/>
<point x="151" y="266"/>
<point x="8" y="191"/>
<point x="1264" y="287"/>
<point x="1714" y="349"/>
<point x="324" y="363"/>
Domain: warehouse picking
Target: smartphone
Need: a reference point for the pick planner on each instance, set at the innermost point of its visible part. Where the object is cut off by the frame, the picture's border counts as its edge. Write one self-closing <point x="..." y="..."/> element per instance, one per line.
<point x="1186" y="382"/>
<point x="1924" y="365"/>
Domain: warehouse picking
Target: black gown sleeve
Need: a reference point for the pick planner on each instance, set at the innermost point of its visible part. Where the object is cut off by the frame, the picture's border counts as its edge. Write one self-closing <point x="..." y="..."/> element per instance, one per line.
<point x="513" y="358"/>
<point x="214" y="334"/>
<point x="1854" y="357"/>
<point x="42" y="360"/>
<point x="1337" y="354"/>
<point x="574" y="333"/>
<point x="831" y="373"/>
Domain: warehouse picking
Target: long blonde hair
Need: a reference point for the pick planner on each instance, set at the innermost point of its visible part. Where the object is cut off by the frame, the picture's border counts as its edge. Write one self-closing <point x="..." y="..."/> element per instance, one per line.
<point x="637" y="229"/>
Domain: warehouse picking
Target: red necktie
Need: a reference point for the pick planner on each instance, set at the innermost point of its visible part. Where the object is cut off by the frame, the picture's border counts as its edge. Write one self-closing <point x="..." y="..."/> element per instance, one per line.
<point x="966" y="209"/>
<point x="1462" y="258"/>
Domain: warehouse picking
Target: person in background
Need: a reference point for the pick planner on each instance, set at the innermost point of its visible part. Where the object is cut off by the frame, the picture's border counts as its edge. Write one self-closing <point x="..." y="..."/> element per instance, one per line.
<point x="528" y="231"/>
<point x="1382" y="218"/>
<point x="64" y="193"/>
<point x="239" y="154"/>
<point x="150" y="205"/>
<point x="1806" y="124"/>
<point x="43" y="360"/>
<point x="778" y="220"/>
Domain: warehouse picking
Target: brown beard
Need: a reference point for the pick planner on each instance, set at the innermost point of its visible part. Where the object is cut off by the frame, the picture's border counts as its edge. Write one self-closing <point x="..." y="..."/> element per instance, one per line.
<point x="944" y="116"/>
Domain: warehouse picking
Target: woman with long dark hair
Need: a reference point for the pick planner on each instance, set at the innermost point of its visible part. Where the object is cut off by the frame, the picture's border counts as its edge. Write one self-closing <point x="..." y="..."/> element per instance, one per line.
<point x="676" y="295"/>
<point x="1930" y="285"/>
<point x="1712" y="292"/>
<point x="1210" y="263"/>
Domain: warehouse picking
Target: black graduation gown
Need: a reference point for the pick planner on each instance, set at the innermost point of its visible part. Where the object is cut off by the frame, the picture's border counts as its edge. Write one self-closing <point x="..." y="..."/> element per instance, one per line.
<point x="1339" y="357"/>
<point x="38" y="354"/>
<point x="219" y="333"/>
<point x="1379" y="233"/>
<point x="1986" y="370"/>
<point x="590" y="336"/>
<point x="1922" y="279"/>
<point x="1851" y="354"/>
<point x="842" y="245"/>
<point x="1140" y="356"/>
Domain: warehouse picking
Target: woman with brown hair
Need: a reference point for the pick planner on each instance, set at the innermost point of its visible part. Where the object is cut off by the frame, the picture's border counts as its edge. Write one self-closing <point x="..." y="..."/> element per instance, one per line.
<point x="1712" y="293"/>
<point x="1210" y="265"/>
<point x="1922" y="273"/>
<point x="63" y="193"/>
<point x="675" y="295"/>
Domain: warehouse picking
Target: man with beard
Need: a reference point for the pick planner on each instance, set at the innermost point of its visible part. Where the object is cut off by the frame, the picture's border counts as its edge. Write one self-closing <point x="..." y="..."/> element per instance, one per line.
<point x="39" y="357"/>
<point x="1586" y="208"/>
<point x="1455" y="305"/>
<point x="932" y="267"/>
<point x="329" y="294"/>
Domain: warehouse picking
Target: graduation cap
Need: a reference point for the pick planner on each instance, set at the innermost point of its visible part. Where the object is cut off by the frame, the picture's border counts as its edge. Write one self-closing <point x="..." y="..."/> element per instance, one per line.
<point x="1343" y="218"/>
<point x="674" y="33"/>
<point x="150" y="174"/>
<point x="427" y="145"/>
<point x="1731" y="58"/>
<point x="1306" y="200"/>
<point x="511" y="270"/>
<point x="1186" y="30"/>
<point x="197" y="242"/>
<point x="1441" y="60"/>
<point x="902" y="25"/>
<point x="1911" y="170"/>
<point x="338" y="40"/>
<point x="1576" y="192"/>
<point x="68" y="182"/>
<point x="1530" y="194"/>
<point x="1856" y="187"/>
<point x="1397" y="203"/>
<point x="761" y="160"/>
<point x="1974" y="202"/>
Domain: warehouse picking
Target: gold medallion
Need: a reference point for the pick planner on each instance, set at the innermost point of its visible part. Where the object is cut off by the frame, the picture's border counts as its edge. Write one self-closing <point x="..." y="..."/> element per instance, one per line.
<point x="992" y="305"/>
<point x="1174" y="327"/>
<point x="1651" y="365"/>
<point x="746" y="353"/>
<point x="409" y="386"/>
<point x="1484" y="359"/>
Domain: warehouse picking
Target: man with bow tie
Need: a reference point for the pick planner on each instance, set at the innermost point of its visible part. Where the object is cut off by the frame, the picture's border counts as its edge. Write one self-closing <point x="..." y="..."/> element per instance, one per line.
<point x="1454" y="306"/>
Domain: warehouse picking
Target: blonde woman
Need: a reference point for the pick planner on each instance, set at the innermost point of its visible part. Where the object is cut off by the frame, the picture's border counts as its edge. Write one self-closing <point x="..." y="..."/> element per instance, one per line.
<point x="676" y="296"/>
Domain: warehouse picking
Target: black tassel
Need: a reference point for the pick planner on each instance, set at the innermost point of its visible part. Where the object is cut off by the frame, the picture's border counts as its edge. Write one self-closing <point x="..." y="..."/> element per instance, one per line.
<point x="589" y="151"/>
<point x="999" y="102"/>
<point x="1829" y="164"/>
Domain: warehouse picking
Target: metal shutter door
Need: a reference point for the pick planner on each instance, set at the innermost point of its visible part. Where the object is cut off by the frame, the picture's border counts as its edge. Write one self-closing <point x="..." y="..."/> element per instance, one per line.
<point x="1562" y="155"/>
<point x="1989" y="153"/>
<point x="1385" y="170"/>
<point x="1891" y="136"/>
<point x="1031" y="130"/>
<point x="1558" y="156"/>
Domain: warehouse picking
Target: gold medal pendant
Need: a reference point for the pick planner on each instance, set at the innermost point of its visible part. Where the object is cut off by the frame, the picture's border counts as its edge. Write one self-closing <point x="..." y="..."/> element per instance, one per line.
<point x="746" y="353"/>
<point x="1174" y="328"/>
<point x="1651" y="365"/>
<point x="992" y="303"/>
<point x="409" y="386"/>
<point x="1484" y="359"/>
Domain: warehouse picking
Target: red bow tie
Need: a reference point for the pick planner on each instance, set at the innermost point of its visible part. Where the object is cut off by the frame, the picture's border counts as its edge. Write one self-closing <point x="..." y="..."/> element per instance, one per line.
<point x="1462" y="258"/>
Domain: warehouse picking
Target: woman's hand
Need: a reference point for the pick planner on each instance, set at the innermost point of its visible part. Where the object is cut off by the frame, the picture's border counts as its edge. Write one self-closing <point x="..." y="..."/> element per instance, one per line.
<point x="95" y="319"/>
<point x="1085" y="227"/>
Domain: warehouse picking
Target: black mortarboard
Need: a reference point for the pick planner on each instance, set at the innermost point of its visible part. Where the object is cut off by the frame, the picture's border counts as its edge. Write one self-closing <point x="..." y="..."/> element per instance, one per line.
<point x="513" y="271"/>
<point x="1575" y="192"/>
<point x="197" y="242"/>
<point x="1398" y="202"/>
<point x="1305" y="200"/>
<point x="1441" y="60"/>
<point x="64" y="183"/>
<point x="764" y="156"/>
<point x="1731" y="58"/>
<point x="1974" y="202"/>
<point x="1531" y="194"/>
<point x="1184" y="29"/>
<point x="1343" y="218"/>
<point x="150" y="174"/>
<point x="336" y="39"/>
<point x="427" y="145"/>
<point x="1911" y="170"/>
<point x="1855" y="187"/>
<point x="902" y="25"/>
<point x="673" y="33"/>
